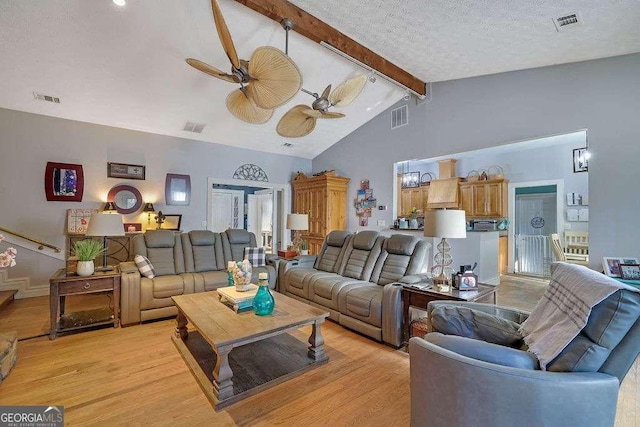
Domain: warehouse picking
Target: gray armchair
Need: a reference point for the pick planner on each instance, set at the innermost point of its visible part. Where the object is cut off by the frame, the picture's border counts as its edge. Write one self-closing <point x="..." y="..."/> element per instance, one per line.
<point x="480" y="374"/>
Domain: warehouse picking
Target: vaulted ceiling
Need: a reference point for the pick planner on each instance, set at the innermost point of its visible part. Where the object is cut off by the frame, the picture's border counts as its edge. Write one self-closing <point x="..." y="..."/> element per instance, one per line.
<point x="124" y="66"/>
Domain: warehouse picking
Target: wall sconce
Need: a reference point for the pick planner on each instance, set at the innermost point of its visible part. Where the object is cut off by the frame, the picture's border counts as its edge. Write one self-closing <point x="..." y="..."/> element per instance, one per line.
<point x="149" y="209"/>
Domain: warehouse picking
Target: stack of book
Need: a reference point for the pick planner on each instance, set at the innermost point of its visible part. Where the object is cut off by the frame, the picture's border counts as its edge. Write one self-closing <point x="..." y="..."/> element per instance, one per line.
<point x="236" y="300"/>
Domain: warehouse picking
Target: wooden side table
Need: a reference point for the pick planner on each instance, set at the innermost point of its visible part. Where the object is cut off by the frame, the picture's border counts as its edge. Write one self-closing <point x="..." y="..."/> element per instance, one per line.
<point x="421" y="297"/>
<point x="61" y="286"/>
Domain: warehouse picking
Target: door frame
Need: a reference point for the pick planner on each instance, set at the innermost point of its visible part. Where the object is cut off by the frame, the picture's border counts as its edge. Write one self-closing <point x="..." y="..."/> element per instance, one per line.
<point x="280" y="233"/>
<point x="511" y="189"/>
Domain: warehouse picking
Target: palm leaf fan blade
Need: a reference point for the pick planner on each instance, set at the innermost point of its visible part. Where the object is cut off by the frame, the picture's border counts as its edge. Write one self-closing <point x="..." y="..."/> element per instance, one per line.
<point x="245" y="109"/>
<point x="277" y="77"/>
<point x="347" y="91"/>
<point x="212" y="71"/>
<point x="330" y="115"/>
<point x="224" y="34"/>
<point x="311" y="113"/>
<point x="295" y="123"/>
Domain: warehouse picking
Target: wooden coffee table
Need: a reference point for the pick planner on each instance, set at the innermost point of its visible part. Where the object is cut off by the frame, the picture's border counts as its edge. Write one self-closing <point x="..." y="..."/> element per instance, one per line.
<point x="235" y="355"/>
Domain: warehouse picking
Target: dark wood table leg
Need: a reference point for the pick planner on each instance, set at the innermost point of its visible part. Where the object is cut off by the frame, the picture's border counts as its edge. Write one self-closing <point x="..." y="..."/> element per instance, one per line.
<point x="222" y="374"/>
<point x="54" y="301"/>
<point x="116" y="303"/>
<point x="316" y="349"/>
<point x="181" y="326"/>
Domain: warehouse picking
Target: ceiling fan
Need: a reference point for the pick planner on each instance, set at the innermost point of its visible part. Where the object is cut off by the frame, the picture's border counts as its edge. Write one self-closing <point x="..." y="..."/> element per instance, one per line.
<point x="268" y="80"/>
<point x="301" y="119"/>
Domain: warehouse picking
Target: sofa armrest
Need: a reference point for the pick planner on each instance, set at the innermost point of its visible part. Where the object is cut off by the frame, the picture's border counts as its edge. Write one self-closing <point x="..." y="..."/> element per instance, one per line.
<point x="128" y="267"/>
<point x="306" y="261"/>
<point x="416" y="278"/>
<point x="129" y="295"/>
<point x="448" y="388"/>
<point x="392" y="314"/>
<point x="508" y="313"/>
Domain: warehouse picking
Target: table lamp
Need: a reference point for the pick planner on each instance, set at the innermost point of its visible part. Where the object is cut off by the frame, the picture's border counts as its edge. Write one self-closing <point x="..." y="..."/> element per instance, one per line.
<point x="447" y="224"/>
<point x="104" y="225"/>
<point x="297" y="223"/>
<point x="149" y="209"/>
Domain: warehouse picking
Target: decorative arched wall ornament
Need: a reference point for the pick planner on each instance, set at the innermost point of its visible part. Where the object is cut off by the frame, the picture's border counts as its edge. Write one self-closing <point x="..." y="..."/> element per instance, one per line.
<point x="250" y="172"/>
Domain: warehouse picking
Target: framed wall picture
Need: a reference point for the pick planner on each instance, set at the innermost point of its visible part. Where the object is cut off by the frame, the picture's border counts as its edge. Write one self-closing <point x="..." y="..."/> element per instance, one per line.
<point x="580" y="160"/>
<point x="177" y="189"/>
<point x="611" y="265"/>
<point x="63" y="182"/>
<point x="122" y="170"/>
<point x="630" y="271"/>
<point x="78" y="220"/>
<point x="171" y="222"/>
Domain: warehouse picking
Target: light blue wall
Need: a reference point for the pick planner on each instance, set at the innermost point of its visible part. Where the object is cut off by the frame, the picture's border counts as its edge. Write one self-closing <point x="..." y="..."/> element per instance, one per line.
<point x="602" y="96"/>
<point x="29" y="141"/>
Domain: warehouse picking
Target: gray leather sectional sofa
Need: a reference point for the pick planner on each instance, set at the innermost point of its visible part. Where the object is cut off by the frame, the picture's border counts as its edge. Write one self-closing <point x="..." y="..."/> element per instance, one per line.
<point x="356" y="278"/>
<point x="184" y="263"/>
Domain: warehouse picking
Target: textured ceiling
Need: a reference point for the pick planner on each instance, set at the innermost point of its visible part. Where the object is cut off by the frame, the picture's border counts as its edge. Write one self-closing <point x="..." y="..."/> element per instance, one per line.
<point x="125" y="67"/>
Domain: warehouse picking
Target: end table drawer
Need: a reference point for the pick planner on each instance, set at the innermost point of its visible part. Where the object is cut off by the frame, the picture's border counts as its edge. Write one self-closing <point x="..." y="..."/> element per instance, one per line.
<point x="86" y="285"/>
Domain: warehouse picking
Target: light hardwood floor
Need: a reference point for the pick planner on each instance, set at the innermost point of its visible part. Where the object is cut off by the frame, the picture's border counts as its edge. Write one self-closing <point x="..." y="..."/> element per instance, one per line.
<point x="135" y="375"/>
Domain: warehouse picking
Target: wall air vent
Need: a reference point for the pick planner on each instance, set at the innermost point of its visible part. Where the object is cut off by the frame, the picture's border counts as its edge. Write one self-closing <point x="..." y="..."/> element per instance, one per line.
<point x="47" y="98"/>
<point x="399" y="117"/>
<point x="194" y="127"/>
<point x="570" y="20"/>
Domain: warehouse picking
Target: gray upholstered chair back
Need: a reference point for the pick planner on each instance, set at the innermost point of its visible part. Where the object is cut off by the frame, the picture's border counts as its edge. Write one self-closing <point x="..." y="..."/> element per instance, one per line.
<point x="234" y="241"/>
<point x="332" y="251"/>
<point x="401" y="255"/>
<point x="163" y="248"/>
<point x="202" y="251"/>
<point x="361" y="254"/>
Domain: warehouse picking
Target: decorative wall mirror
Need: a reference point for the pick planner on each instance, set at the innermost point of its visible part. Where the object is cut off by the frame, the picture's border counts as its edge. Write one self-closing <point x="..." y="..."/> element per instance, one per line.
<point x="177" y="189"/>
<point x="126" y="198"/>
<point x="63" y="182"/>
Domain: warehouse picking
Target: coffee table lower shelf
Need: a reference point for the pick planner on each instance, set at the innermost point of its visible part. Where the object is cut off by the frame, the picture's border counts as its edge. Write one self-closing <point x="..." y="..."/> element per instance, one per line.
<point x="256" y="366"/>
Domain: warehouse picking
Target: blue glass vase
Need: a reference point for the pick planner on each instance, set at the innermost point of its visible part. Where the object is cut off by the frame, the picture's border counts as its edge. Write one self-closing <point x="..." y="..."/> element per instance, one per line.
<point x="263" y="302"/>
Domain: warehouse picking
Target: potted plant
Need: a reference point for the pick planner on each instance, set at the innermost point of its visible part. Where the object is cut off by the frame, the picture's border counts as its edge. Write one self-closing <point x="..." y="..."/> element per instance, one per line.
<point x="86" y="251"/>
<point x="303" y="248"/>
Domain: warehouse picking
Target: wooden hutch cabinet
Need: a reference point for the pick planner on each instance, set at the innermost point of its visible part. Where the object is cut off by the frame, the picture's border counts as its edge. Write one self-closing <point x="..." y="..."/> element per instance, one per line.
<point x="324" y="199"/>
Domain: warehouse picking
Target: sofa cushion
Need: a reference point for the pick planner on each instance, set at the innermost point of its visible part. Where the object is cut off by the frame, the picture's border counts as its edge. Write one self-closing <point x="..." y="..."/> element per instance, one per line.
<point x="202" y="238"/>
<point x="144" y="266"/>
<point x="159" y="239"/>
<point x="168" y="286"/>
<point x="362" y="301"/>
<point x="163" y="260"/>
<point x="470" y="323"/>
<point x="400" y="244"/>
<point x="238" y="236"/>
<point x="365" y="240"/>
<point x="609" y="322"/>
<point x="255" y="256"/>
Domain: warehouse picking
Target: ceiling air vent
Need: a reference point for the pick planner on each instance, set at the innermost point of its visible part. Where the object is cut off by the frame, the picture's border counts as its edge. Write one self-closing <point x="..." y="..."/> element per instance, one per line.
<point x="48" y="98"/>
<point x="194" y="127"/>
<point x="287" y="144"/>
<point x="399" y="117"/>
<point x="570" y="20"/>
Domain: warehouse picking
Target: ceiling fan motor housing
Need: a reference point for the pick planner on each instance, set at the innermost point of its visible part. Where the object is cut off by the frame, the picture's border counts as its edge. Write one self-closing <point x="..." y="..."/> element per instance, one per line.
<point x="321" y="104"/>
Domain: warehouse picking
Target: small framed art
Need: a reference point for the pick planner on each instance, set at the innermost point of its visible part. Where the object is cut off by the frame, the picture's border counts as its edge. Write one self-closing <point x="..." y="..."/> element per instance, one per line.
<point x="177" y="189"/>
<point x="611" y="265"/>
<point x="171" y="222"/>
<point x="122" y="170"/>
<point x="63" y="182"/>
<point x="580" y="160"/>
<point x="630" y="271"/>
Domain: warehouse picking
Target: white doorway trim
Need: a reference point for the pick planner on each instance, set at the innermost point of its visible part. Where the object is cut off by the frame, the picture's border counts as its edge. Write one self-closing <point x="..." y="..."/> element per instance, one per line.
<point x="559" y="183"/>
<point x="280" y="233"/>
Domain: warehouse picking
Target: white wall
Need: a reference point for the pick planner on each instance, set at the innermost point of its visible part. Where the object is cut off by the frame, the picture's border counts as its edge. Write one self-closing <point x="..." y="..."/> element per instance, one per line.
<point x="29" y="141"/>
<point x="600" y="96"/>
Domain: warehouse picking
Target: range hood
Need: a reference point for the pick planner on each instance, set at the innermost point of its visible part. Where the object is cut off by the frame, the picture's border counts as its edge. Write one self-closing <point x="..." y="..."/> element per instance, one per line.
<point x="443" y="193"/>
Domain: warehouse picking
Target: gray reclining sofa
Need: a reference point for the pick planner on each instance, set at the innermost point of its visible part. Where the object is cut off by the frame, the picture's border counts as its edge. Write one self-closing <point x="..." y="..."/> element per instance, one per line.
<point x="356" y="277"/>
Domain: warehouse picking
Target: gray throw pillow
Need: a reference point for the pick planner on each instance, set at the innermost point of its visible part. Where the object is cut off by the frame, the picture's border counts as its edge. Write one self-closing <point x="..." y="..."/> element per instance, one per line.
<point x="470" y="323"/>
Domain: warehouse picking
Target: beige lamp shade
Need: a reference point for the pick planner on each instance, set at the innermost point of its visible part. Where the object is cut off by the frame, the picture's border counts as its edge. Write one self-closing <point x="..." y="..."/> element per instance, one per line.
<point x="447" y="223"/>
<point x="105" y="224"/>
<point x="297" y="222"/>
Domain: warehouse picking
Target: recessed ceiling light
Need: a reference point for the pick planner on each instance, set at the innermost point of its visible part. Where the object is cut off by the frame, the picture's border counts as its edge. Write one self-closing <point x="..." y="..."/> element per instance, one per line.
<point x="120" y="2"/>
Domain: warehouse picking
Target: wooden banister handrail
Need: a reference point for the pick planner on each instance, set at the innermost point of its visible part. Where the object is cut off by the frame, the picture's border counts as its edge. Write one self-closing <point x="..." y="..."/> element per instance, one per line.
<point x="41" y="245"/>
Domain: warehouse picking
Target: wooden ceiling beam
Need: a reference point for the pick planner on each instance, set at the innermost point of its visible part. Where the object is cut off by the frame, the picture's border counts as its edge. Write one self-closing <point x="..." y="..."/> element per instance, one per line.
<point x="316" y="30"/>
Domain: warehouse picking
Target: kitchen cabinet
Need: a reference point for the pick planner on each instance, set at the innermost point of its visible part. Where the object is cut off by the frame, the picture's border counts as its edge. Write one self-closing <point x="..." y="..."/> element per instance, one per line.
<point x="484" y="198"/>
<point x="324" y="199"/>
<point x="413" y="198"/>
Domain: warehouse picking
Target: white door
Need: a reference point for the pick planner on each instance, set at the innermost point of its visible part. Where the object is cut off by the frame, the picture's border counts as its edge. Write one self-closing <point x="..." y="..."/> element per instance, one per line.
<point x="265" y="230"/>
<point x="226" y="209"/>
<point x="253" y="216"/>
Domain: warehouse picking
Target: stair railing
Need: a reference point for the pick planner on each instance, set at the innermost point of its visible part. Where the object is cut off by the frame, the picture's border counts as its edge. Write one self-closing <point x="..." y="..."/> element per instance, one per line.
<point x="41" y="244"/>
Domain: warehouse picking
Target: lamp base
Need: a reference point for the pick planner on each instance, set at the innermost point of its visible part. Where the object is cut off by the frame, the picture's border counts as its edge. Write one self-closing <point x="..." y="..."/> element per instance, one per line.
<point x="105" y="268"/>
